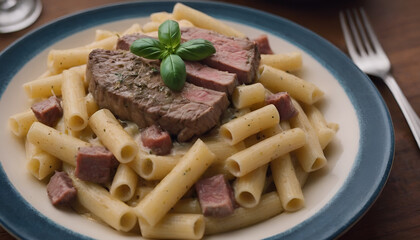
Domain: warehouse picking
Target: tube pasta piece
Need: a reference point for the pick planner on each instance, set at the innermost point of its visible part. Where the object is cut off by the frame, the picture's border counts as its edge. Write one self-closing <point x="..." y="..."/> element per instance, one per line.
<point x="264" y="134"/>
<point x="277" y="80"/>
<point x="310" y="156"/>
<point x="247" y="95"/>
<point x="248" y="188"/>
<point x="268" y="207"/>
<point x="187" y="205"/>
<point x="153" y="167"/>
<point x="101" y="34"/>
<point x="135" y="28"/>
<point x="113" y="136"/>
<point x="48" y="86"/>
<point x="124" y="183"/>
<point x="74" y="105"/>
<point x="99" y="201"/>
<point x="108" y="43"/>
<point x="287" y="184"/>
<point x="91" y="105"/>
<point x="165" y="195"/>
<point x="59" y="60"/>
<point x="63" y="147"/>
<point x="151" y="27"/>
<point x="242" y="127"/>
<point x="175" y="226"/>
<point x="222" y="151"/>
<point x="44" y="87"/>
<point x="203" y="20"/>
<point x="263" y="152"/>
<point x="283" y="61"/>
<point x="39" y="163"/>
<point x="160" y="17"/>
<point x="139" y="194"/>
<point x="20" y="123"/>
<point x="325" y="131"/>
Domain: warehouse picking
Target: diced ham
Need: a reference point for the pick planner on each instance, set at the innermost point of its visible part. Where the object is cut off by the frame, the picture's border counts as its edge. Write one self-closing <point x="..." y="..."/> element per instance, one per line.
<point x="215" y="196"/>
<point x="95" y="164"/>
<point x="284" y="105"/>
<point x="211" y="78"/>
<point x="48" y="111"/>
<point x="60" y="189"/>
<point x="263" y="44"/>
<point x="157" y="140"/>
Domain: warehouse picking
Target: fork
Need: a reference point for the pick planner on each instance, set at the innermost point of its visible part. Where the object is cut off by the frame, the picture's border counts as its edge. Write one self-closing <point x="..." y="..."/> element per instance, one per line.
<point x="367" y="53"/>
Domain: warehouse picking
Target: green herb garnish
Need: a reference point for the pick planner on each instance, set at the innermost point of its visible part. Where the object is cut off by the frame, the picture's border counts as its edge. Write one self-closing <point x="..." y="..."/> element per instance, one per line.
<point x="171" y="51"/>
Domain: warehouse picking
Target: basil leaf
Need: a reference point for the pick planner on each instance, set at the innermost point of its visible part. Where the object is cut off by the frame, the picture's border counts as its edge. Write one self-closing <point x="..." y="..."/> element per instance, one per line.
<point x="148" y="48"/>
<point x="169" y="35"/>
<point x="173" y="72"/>
<point x="196" y="49"/>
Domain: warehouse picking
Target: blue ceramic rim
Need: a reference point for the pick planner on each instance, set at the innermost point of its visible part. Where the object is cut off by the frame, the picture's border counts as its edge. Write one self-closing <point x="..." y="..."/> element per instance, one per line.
<point x="376" y="131"/>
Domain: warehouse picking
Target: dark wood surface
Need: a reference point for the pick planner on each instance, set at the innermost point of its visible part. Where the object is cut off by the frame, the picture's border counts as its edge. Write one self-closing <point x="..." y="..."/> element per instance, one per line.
<point x="396" y="213"/>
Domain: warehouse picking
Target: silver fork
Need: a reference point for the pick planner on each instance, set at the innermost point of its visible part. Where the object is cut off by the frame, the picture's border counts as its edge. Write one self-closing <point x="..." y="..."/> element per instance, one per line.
<point x="368" y="55"/>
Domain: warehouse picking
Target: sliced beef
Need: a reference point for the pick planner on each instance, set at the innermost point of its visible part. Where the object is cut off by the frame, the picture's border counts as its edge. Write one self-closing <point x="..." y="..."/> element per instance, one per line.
<point x="48" y="111"/>
<point x="211" y="78"/>
<point x="60" y="189"/>
<point x="158" y="141"/>
<point x="235" y="55"/>
<point x="215" y="196"/>
<point x="283" y="103"/>
<point x="197" y="73"/>
<point x="263" y="44"/>
<point x="132" y="88"/>
<point x="95" y="164"/>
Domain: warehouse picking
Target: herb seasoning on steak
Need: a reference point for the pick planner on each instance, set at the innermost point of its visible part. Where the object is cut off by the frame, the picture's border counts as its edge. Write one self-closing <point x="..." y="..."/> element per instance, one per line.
<point x="131" y="87"/>
<point x="197" y="73"/>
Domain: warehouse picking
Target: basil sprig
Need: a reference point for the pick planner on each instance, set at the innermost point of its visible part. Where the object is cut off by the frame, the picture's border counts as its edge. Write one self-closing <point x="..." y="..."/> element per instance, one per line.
<point x="172" y="52"/>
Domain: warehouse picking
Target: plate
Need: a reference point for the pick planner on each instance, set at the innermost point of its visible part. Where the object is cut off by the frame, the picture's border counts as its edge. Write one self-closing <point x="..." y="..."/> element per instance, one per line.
<point x="359" y="158"/>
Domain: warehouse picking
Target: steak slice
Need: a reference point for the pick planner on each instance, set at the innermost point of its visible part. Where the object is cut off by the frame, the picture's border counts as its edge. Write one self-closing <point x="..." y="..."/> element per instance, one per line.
<point x="131" y="87"/>
<point x="197" y="73"/>
<point x="235" y="55"/>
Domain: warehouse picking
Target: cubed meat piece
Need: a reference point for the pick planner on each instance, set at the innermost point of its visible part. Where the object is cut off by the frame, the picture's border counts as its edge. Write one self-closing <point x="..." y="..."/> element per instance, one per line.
<point x="60" y="189"/>
<point x="158" y="141"/>
<point x="263" y="44"/>
<point x="95" y="164"/>
<point x="48" y="111"/>
<point x="215" y="196"/>
<point x="284" y="105"/>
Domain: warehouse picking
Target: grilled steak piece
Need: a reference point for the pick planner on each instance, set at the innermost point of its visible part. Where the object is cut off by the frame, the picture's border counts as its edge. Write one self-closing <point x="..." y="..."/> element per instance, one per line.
<point x="131" y="87"/>
<point x="60" y="189"/>
<point x="263" y="44"/>
<point x="157" y="140"/>
<point x="215" y="196"/>
<point x="235" y="55"/>
<point x="48" y="111"/>
<point x="283" y="103"/>
<point x="211" y="78"/>
<point x="197" y="73"/>
<point x="95" y="164"/>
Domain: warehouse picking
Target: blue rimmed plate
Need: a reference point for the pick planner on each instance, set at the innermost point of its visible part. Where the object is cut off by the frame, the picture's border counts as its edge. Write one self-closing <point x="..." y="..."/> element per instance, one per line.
<point x="359" y="158"/>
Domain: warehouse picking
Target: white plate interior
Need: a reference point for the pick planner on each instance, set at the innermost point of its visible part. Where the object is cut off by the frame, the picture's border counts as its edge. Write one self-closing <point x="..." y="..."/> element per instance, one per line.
<point x="319" y="190"/>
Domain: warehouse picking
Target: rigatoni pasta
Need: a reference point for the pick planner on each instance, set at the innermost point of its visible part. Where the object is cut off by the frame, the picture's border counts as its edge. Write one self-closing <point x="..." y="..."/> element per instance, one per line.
<point x="113" y="136"/>
<point x="249" y="148"/>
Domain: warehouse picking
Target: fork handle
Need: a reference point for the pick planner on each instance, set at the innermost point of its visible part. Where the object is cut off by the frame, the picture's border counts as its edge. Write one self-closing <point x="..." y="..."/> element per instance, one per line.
<point x="408" y="111"/>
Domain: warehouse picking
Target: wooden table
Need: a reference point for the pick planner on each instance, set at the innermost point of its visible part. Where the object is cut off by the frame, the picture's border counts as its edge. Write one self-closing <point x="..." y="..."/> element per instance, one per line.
<point x="396" y="213"/>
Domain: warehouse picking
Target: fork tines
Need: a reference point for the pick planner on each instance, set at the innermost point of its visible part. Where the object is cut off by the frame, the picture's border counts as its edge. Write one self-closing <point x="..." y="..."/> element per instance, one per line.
<point x="361" y="35"/>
